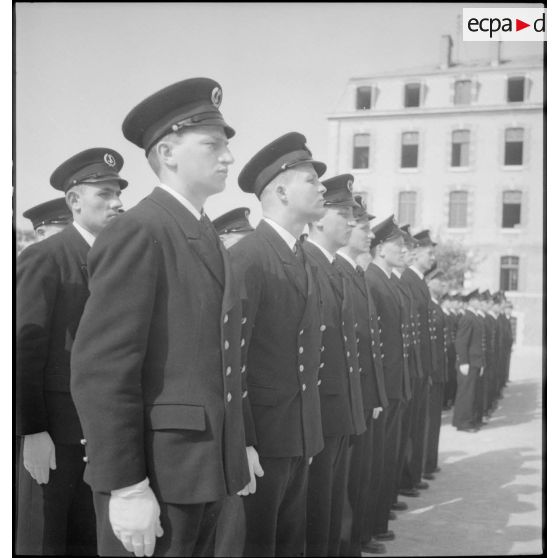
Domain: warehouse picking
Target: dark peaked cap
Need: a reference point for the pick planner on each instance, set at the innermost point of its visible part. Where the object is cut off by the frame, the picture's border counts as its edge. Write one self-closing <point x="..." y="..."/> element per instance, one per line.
<point x="191" y="102"/>
<point x="423" y="238"/>
<point x="360" y="213"/>
<point x="385" y="231"/>
<point x="281" y="154"/>
<point x="50" y="212"/>
<point x="98" y="164"/>
<point x="407" y="237"/>
<point x="473" y="294"/>
<point x="235" y="220"/>
<point x="339" y="191"/>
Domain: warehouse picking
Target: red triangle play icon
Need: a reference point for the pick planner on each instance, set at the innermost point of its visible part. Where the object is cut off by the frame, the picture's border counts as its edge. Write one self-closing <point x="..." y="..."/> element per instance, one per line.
<point x="519" y="25"/>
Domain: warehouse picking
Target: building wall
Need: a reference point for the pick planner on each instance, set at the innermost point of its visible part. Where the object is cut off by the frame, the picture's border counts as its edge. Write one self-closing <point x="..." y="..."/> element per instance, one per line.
<point x="485" y="178"/>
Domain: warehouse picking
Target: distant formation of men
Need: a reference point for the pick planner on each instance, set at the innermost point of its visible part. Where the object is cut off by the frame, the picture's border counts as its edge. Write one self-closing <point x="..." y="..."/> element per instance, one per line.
<point x="195" y="388"/>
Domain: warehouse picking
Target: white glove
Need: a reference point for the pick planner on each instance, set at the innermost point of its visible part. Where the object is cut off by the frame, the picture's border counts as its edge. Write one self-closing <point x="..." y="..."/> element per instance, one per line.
<point x="464" y="369"/>
<point x="255" y="471"/>
<point x="376" y="412"/>
<point x="39" y="456"/>
<point x="481" y="371"/>
<point x="134" y="518"/>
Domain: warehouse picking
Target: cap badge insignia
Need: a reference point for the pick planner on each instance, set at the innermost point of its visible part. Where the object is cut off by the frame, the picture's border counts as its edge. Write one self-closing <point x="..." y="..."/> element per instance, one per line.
<point x="350" y="185"/>
<point x="109" y="160"/>
<point x="216" y="96"/>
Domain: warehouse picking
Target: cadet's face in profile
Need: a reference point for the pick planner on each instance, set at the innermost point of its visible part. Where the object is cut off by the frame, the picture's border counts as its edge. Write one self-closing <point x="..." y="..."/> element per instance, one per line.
<point x="95" y="205"/>
<point x="393" y="252"/>
<point x="361" y="236"/>
<point x="44" y="231"/>
<point x="424" y="258"/>
<point x="306" y="193"/>
<point x="337" y="225"/>
<point x="202" y="159"/>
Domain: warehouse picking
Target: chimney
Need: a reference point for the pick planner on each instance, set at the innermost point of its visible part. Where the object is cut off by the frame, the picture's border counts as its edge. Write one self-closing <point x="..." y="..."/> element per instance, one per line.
<point x="496" y="57"/>
<point x="445" y="52"/>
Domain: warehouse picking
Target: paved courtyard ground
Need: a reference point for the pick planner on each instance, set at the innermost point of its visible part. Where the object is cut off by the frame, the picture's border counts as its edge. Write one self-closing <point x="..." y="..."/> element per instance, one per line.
<point x="487" y="500"/>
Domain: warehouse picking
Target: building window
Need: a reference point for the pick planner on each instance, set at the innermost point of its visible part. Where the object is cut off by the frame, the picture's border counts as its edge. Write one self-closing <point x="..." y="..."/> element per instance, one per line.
<point x="516" y="89"/>
<point x="361" y="151"/>
<point x="458" y="210"/>
<point x="514" y="146"/>
<point x="509" y="270"/>
<point x="511" y="209"/>
<point x="460" y="141"/>
<point x="463" y="92"/>
<point x="409" y="150"/>
<point x="407" y="208"/>
<point x="412" y="94"/>
<point x="364" y="97"/>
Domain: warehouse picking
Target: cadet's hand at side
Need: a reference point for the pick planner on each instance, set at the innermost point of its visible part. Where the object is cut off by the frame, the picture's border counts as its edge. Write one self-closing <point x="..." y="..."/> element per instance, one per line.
<point x="255" y="471"/>
<point x="39" y="456"/>
<point x="376" y="412"/>
<point x="134" y="518"/>
<point x="464" y="369"/>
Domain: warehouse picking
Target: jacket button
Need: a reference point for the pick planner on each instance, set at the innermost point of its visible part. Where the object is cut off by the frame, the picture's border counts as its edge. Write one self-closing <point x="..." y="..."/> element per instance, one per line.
<point x="356" y="325"/>
<point x="303" y="387"/>
<point x="322" y="364"/>
<point x="242" y="342"/>
<point x="243" y="369"/>
<point x="83" y="441"/>
<point x="85" y="459"/>
<point x="225" y="318"/>
<point x="226" y="344"/>
<point x="301" y="332"/>
<point x="319" y="382"/>
<point x="229" y="397"/>
<point x="228" y="371"/>
<point x="244" y="320"/>
<point x="322" y="349"/>
<point x="348" y="354"/>
<point x="322" y="327"/>
<point x="350" y="368"/>
<point x="301" y="350"/>
<point x="301" y="367"/>
<point x="360" y="369"/>
<point x="345" y="337"/>
<point x="244" y="394"/>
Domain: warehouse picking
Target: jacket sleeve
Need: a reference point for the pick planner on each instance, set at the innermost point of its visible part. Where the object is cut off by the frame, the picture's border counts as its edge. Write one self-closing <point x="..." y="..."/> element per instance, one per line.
<point x="463" y="338"/>
<point x="109" y="350"/>
<point x="38" y="279"/>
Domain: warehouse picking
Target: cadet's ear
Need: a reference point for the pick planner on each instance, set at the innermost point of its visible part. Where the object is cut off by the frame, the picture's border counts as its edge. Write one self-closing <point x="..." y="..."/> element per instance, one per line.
<point x="73" y="198"/>
<point x="165" y="153"/>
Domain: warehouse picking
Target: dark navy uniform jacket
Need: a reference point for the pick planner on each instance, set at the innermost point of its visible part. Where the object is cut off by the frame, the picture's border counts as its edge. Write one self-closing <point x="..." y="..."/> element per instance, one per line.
<point x="284" y="331"/>
<point x="368" y="337"/>
<point x="388" y="304"/>
<point x="469" y="340"/>
<point x="439" y="344"/>
<point x="421" y="295"/>
<point x="50" y="295"/>
<point x="340" y="387"/>
<point x="156" y="362"/>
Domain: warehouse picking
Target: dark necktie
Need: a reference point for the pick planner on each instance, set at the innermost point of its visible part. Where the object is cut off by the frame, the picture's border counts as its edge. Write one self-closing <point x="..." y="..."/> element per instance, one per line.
<point x="297" y="251"/>
<point x="360" y="271"/>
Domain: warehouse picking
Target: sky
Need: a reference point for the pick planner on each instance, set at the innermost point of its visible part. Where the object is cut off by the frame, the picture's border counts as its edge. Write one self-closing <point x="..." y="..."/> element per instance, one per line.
<point x="81" y="67"/>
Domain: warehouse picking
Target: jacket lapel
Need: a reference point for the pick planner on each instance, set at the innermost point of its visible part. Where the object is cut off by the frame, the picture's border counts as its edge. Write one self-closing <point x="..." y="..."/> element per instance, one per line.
<point x="324" y="265"/>
<point x="191" y="228"/>
<point x="351" y="272"/>
<point x="288" y="259"/>
<point x="80" y="248"/>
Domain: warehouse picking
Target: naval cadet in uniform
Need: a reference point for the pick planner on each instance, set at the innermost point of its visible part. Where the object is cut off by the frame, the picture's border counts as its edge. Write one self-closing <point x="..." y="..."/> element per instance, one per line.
<point x="55" y="507"/>
<point x="366" y="459"/>
<point x="49" y="218"/>
<point x="340" y="389"/>
<point x="233" y="225"/>
<point x="283" y="342"/>
<point x="156" y="363"/>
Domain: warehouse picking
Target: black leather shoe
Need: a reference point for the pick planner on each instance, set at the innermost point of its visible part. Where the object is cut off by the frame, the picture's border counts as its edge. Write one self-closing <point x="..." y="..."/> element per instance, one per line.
<point x="429" y="476"/>
<point x="422" y="485"/>
<point x="399" y="506"/>
<point x="392" y="515"/>
<point x="411" y="492"/>
<point x="387" y="536"/>
<point x="373" y="547"/>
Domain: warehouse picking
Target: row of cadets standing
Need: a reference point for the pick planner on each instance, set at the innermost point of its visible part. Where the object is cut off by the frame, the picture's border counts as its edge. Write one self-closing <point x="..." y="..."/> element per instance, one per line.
<point x="54" y="510"/>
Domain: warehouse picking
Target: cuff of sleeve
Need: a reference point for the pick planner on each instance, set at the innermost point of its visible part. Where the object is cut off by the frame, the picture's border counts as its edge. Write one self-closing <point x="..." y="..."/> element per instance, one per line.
<point x="131" y="490"/>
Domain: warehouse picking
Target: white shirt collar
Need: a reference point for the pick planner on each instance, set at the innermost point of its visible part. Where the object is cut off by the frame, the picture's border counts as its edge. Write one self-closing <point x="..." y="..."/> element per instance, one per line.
<point x="87" y="236"/>
<point x="348" y="258"/>
<point x="188" y="205"/>
<point x="386" y="273"/>
<point x="433" y="299"/>
<point x="493" y="314"/>
<point x="325" y="252"/>
<point x="446" y="312"/>
<point x="283" y="233"/>
<point x="421" y="275"/>
<point x="397" y="273"/>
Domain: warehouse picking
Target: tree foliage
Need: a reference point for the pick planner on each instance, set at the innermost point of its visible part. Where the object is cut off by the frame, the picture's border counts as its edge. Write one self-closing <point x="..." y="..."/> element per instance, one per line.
<point x="456" y="261"/>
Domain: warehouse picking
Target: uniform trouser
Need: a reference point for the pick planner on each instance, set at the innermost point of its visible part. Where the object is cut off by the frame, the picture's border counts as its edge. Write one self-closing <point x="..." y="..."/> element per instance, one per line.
<point x="435" y="405"/>
<point x="276" y="512"/>
<point x="464" y="408"/>
<point x="407" y="410"/>
<point x="56" y="518"/>
<point x="479" y="396"/>
<point x="389" y="476"/>
<point x="412" y="469"/>
<point x="487" y="390"/>
<point x="450" y="387"/>
<point x="365" y="469"/>
<point x="231" y="528"/>
<point x="327" y="480"/>
<point x="189" y="529"/>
